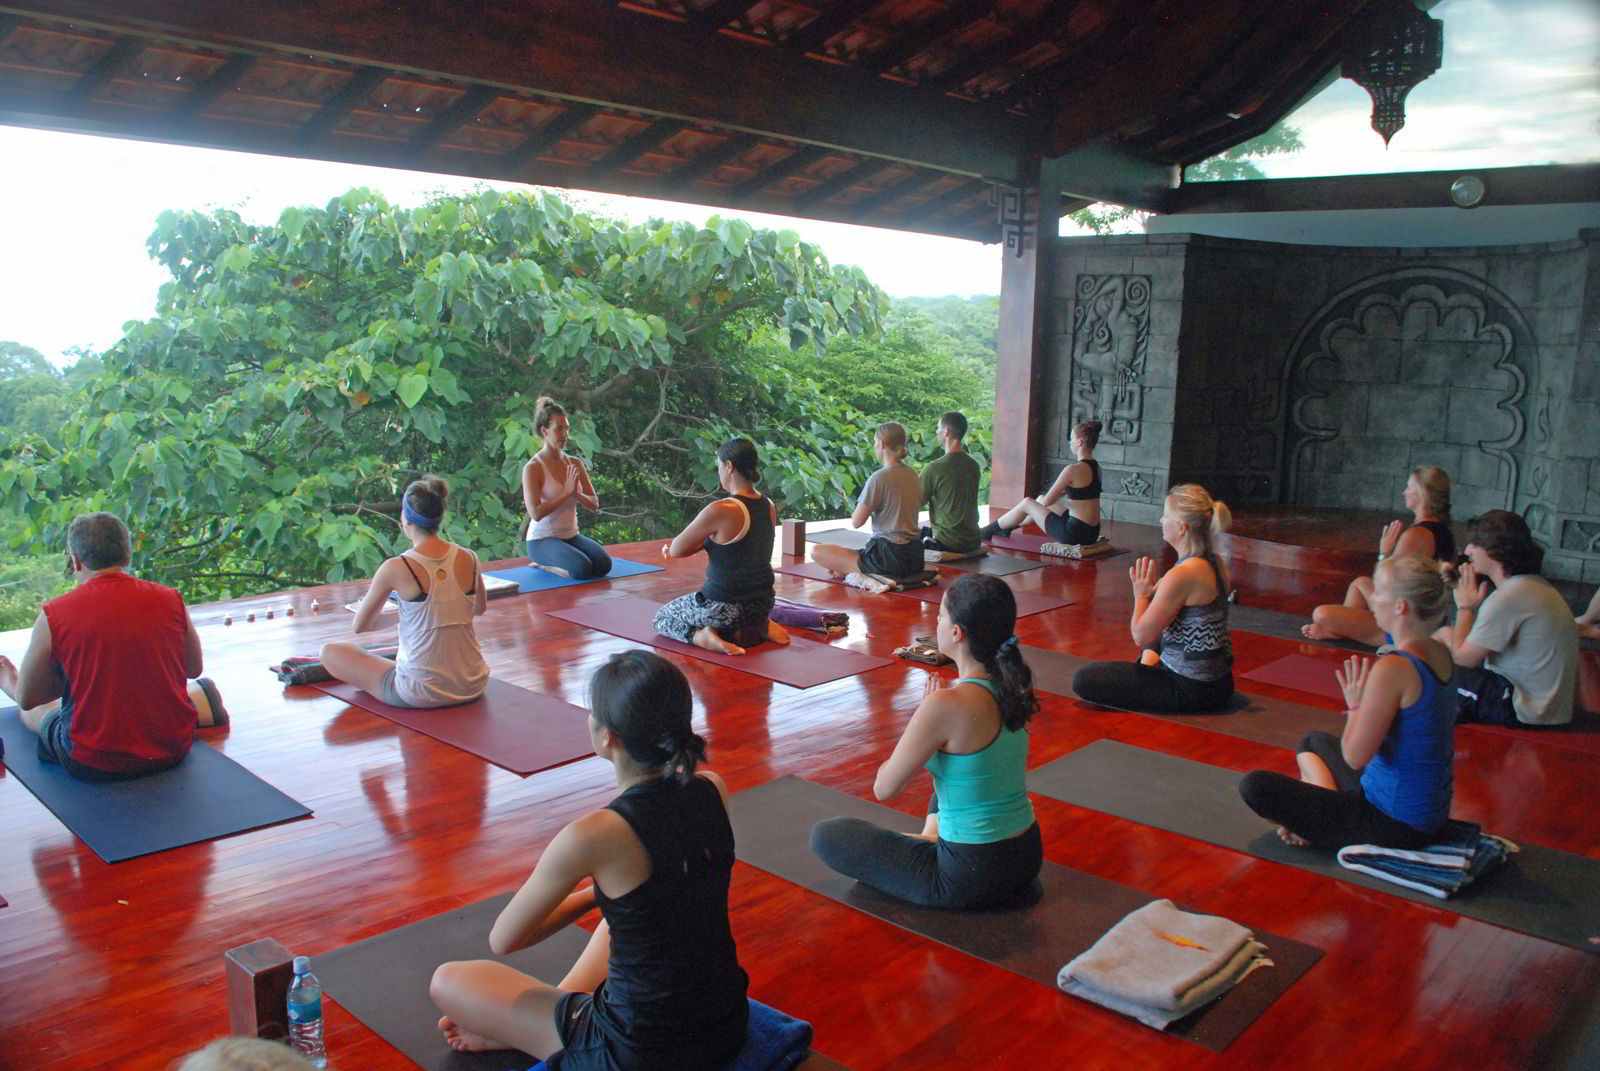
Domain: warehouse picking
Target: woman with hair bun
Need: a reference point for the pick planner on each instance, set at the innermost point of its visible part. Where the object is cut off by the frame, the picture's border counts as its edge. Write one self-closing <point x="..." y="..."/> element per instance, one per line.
<point x="1427" y="496"/>
<point x="1070" y="511"/>
<point x="554" y="485"/>
<point x="440" y="592"/>
<point x="659" y="985"/>
<point x="730" y="611"/>
<point x="980" y="846"/>
<point x="1387" y="779"/>
<point x="1180" y="619"/>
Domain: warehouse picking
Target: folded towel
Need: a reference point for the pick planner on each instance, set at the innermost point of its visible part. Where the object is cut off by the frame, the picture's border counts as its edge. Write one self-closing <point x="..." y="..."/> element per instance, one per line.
<point x="308" y="670"/>
<point x="1439" y="870"/>
<point x="1076" y="550"/>
<point x="925" y="579"/>
<point x="799" y="615"/>
<point x="953" y="555"/>
<point x="1158" y="954"/>
<point x="1249" y="957"/>
<point x="774" y="1042"/>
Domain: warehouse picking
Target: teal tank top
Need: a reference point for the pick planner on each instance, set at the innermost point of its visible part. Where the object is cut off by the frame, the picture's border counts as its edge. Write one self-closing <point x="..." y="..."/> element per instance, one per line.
<point x="983" y="796"/>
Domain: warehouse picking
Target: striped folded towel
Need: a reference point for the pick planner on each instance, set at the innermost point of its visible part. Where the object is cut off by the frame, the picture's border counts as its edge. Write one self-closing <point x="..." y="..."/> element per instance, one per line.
<point x="1464" y="854"/>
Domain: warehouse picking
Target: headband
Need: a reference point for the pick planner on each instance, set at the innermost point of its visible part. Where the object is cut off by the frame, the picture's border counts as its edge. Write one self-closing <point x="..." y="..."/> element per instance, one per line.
<point x="421" y="520"/>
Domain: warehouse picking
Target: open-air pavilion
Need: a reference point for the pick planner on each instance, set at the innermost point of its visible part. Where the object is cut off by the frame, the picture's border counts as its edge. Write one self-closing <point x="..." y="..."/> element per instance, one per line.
<point x="1238" y="344"/>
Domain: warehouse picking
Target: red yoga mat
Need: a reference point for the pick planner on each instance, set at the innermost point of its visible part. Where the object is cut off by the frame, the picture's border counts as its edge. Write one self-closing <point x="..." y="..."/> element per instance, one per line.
<point x="1030" y="544"/>
<point x="1028" y="602"/>
<point x="801" y="664"/>
<point x="515" y="729"/>
<point x="813" y="571"/>
<point x="1302" y="673"/>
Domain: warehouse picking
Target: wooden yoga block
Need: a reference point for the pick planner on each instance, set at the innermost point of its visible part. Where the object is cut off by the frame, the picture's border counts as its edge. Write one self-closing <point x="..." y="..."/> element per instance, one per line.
<point x="794" y="538"/>
<point x="258" y="976"/>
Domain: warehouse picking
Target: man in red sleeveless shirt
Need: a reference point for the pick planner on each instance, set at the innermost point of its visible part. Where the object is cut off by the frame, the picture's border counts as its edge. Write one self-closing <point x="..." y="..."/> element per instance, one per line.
<point x="116" y="652"/>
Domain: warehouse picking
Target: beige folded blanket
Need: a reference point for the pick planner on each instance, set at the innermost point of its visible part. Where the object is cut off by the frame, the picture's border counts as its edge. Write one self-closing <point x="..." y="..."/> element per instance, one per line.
<point x="1249" y="956"/>
<point x="1158" y="955"/>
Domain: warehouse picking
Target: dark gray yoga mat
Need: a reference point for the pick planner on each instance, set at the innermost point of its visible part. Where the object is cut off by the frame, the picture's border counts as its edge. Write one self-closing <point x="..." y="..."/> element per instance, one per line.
<point x="1540" y="891"/>
<point x="772" y="826"/>
<point x="1284" y="626"/>
<point x="1276" y="722"/>
<point x="204" y="797"/>
<point x="383" y="981"/>
<point x="990" y="564"/>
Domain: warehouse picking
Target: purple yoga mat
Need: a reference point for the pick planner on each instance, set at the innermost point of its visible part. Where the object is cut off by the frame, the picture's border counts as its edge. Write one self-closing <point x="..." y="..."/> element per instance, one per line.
<point x="1302" y="673"/>
<point x="1028" y="602"/>
<point x="801" y="664"/>
<point x="515" y="729"/>
<point x="1030" y="544"/>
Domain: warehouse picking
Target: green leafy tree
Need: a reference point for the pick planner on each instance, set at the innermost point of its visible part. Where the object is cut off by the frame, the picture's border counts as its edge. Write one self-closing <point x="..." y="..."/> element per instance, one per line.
<point x="256" y="430"/>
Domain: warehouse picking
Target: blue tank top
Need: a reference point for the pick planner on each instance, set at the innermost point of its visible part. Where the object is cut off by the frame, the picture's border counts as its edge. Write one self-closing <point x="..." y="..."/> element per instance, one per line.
<point x="983" y="796"/>
<point x="1409" y="778"/>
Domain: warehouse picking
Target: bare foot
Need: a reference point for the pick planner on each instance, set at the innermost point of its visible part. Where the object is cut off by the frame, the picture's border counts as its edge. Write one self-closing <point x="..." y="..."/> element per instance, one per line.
<point x="707" y="639"/>
<point x="1317" y="632"/>
<point x="1589" y="630"/>
<point x="465" y="1040"/>
<point x="8" y="676"/>
<point x="1292" y="839"/>
<point x="777" y="633"/>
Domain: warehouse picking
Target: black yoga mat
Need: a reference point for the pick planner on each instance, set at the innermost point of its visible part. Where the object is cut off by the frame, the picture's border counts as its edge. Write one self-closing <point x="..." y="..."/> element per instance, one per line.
<point x="1070" y="911"/>
<point x="990" y="564"/>
<point x="204" y="797"/>
<point x="1276" y="722"/>
<point x="1540" y="891"/>
<point x="383" y="981"/>
<point x="1284" y="626"/>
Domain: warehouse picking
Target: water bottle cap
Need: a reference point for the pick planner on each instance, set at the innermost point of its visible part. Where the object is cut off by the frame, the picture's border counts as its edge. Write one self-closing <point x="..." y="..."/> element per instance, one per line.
<point x="302" y="965"/>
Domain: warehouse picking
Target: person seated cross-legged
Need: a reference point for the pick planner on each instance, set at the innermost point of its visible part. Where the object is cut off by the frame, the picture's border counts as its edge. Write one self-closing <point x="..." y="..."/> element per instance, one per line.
<point x="103" y="681"/>
<point x="891" y="500"/>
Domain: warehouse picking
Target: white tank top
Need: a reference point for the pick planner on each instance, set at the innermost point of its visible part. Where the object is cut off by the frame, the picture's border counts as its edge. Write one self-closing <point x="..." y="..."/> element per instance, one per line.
<point x="563" y="523"/>
<point x="439" y="661"/>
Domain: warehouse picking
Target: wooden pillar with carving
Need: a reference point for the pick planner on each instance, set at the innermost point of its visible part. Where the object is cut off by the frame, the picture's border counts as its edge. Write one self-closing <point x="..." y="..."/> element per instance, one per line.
<point x="1029" y="221"/>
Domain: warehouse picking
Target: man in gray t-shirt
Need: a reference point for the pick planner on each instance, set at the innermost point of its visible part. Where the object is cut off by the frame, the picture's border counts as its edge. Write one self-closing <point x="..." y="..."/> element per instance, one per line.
<point x="891" y="500"/>
<point x="1518" y="645"/>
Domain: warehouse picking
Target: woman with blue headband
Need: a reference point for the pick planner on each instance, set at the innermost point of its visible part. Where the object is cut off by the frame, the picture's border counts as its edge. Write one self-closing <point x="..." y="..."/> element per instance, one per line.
<point x="439" y="592"/>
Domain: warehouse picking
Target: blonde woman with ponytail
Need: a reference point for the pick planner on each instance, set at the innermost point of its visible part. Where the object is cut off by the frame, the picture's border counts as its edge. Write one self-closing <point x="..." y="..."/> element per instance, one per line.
<point x="1183" y="616"/>
<point x="1387" y="779"/>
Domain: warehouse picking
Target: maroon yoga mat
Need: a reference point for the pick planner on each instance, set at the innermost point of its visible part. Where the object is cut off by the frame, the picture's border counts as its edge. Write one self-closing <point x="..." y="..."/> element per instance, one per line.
<point x="1302" y="673"/>
<point x="1030" y="544"/>
<point x="801" y="664"/>
<point x="1028" y="602"/>
<point x="515" y="729"/>
<point x="813" y="571"/>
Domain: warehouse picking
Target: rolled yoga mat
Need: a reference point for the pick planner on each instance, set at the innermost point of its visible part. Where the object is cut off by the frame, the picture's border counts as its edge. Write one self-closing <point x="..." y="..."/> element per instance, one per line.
<point x="514" y="728"/>
<point x="383" y="981"/>
<point x="990" y="564"/>
<point x="1539" y="891"/>
<point x="1029" y="543"/>
<point x="772" y="827"/>
<point x="532" y="578"/>
<point x="204" y="797"/>
<point x="1276" y="722"/>
<point x="802" y="663"/>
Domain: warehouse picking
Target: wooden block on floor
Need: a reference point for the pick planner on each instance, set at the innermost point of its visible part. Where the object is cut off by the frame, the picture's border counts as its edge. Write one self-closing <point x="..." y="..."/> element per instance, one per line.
<point x="258" y="987"/>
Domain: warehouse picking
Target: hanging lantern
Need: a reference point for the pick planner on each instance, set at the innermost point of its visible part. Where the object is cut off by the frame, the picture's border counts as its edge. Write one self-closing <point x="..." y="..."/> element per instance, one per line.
<point x="1392" y="48"/>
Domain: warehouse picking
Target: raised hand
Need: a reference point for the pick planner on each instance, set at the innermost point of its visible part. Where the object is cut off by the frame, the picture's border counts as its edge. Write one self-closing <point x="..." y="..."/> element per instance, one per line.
<point x="1143" y="574"/>
<point x="1470" y="588"/>
<point x="932" y="683"/>
<point x="1352" y="678"/>
<point x="1391" y="536"/>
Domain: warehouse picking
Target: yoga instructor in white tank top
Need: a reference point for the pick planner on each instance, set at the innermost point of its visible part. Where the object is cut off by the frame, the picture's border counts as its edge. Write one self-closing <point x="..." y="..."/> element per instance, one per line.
<point x="439" y="592"/>
<point x="553" y="487"/>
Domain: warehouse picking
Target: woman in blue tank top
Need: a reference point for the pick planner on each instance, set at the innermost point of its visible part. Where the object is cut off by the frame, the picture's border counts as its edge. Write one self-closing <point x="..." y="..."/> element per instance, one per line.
<point x="659" y="986"/>
<point x="980" y="846"/>
<point x="1387" y="779"/>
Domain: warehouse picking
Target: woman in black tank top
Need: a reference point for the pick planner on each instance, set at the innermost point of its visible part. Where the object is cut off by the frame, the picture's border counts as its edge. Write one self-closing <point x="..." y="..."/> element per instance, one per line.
<point x="659" y="985"/>
<point x="731" y="610"/>
<point x="1069" y="512"/>
<point x="1427" y="496"/>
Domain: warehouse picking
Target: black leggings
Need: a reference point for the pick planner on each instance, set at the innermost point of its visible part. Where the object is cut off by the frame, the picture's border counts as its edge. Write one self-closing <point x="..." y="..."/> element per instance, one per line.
<point x="930" y="873"/>
<point x="1327" y="818"/>
<point x="1152" y="689"/>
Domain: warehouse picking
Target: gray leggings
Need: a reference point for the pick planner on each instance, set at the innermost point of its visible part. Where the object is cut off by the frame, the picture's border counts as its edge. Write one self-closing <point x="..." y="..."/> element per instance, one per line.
<point x="931" y="873"/>
<point x="742" y="623"/>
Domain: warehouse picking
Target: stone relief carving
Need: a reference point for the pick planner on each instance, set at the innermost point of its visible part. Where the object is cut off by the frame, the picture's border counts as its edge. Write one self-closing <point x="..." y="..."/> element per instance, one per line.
<point x="1134" y="485"/>
<point x="1110" y="341"/>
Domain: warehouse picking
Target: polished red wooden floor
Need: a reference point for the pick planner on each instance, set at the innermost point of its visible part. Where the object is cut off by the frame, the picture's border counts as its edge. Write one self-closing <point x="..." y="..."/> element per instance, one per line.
<point x="121" y="966"/>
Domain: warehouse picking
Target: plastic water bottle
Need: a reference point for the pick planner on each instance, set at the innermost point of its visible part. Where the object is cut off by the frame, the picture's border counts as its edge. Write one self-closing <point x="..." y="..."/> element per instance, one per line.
<point x="305" y="1013"/>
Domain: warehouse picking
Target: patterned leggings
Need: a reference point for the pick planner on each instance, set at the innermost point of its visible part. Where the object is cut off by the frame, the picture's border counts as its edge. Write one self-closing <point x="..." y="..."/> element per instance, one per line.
<point x="742" y="623"/>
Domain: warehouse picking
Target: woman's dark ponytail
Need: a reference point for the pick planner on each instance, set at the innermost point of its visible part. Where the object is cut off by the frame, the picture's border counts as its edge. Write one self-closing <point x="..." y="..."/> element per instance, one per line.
<point x="986" y="609"/>
<point x="646" y="701"/>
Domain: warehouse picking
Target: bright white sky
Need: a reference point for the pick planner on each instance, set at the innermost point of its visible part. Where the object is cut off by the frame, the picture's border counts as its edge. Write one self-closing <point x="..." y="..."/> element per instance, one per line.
<point x="1520" y="85"/>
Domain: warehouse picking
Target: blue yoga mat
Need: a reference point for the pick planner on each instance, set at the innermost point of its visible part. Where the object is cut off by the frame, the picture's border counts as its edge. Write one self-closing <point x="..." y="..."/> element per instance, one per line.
<point x="532" y="578"/>
<point x="204" y="797"/>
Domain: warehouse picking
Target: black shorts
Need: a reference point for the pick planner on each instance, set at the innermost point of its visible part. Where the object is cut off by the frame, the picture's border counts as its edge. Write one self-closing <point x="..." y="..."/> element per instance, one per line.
<point x="1485" y="696"/>
<point x="1065" y="528"/>
<point x="891" y="559"/>
<point x="586" y="1046"/>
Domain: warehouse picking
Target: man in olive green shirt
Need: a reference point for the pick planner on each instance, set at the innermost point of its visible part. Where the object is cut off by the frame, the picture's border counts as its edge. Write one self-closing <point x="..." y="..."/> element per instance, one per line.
<point x="950" y="491"/>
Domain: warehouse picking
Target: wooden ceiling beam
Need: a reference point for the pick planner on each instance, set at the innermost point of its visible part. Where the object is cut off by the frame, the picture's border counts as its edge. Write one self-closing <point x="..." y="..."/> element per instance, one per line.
<point x="627" y="152"/>
<point x="98" y="76"/>
<point x="814" y="34"/>
<point x="949" y="198"/>
<point x="7" y="24"/>
<point x="350" y="96"/>
<point x="1022" y="39"/>
<point x="223" y="81"/>
<point x="546" y="137"/>
<point x="598" y="53"/>
<point x="886" y="197"/>
<point x="913" y="41"/>
<point x="459" y="112"/>
<point x="851" y="175"/>
<point x="719" y="13"/>
<point x="788" y="167"/>
<point x="732" y="147"/>
<point x="1537" y="185"/>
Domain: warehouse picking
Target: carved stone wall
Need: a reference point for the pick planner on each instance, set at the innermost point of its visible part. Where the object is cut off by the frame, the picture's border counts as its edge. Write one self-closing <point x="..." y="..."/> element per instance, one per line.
<point x="1320" y="375"/>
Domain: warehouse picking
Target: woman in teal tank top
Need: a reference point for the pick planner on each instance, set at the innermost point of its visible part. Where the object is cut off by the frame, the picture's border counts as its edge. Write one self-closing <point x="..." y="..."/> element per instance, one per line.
<point x="980" y="846"/>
